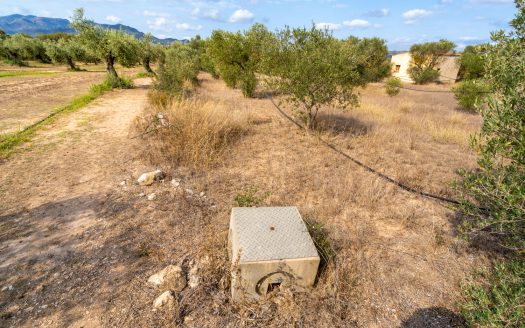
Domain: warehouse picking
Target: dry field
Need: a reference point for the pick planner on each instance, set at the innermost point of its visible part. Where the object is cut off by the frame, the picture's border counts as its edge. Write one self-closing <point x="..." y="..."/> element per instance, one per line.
<point x="79" y="237"/>
<point x="32" y="93"/>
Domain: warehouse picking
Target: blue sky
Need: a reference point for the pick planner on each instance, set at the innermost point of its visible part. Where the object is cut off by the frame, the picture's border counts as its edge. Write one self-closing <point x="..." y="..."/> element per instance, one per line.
<point x="401" y="23"/>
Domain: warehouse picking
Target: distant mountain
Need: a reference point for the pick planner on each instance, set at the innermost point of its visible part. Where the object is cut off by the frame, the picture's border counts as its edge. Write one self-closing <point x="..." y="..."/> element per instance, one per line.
<point x="34" y="26"/>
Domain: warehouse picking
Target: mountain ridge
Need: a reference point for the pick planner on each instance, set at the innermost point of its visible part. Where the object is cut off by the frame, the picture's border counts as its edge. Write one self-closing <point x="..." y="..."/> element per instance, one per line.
<point x="35" y="25"/>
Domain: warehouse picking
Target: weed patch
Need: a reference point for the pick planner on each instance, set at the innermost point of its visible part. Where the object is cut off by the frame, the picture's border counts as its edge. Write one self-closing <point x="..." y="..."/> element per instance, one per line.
<point x="193" y="133"/>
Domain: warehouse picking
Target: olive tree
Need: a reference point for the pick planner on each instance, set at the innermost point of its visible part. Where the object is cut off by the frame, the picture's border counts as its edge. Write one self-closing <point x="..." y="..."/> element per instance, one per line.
<point x="494" y="194"/>
<point x="149" y="52"/>
<point x="111" y="46"/>
<point x="18" y="48"/>
<point x="425" y="59"/>
<point x="237" y="56"/>
<point x="179" y="66"/>
<point x="472" y="62"/>
<point x="311" y="69"/>
<point x="66" y="51"/>
<point x="372" y="57"/>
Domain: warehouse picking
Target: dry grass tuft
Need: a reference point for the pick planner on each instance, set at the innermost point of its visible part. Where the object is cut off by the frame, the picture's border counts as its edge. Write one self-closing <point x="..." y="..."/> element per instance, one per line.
<point x="195" y="133"/>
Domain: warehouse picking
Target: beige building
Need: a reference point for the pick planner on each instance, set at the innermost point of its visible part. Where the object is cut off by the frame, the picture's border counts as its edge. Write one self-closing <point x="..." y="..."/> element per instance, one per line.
<point x="448" y="69"/>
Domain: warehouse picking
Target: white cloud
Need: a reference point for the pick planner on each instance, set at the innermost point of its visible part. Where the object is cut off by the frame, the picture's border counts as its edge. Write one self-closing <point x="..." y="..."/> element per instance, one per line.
<point x="241" y="15"/>
<point x="113" y="19"/>
<point x="187" y="27"/>
<point x="159" y="23"/>
<point x="209" y="13"/>
<point x="469" y="38"/>
<point x="328" y="26"/>
<point x="357" y="23"/>
<point x="492" y="2"/>
<point x="413" y="15"/>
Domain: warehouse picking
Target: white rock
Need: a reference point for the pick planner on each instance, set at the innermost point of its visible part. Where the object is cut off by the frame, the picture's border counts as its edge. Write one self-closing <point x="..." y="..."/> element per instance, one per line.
<point x="170" y="277"/>
<point x="189" y="192"/>
<point x="194" y="280"/>
<point x="165" y="298"/>
<point x="123" y="183"/>
<point x="152" y="196"/>
<point x="175" y="182"/>
<point x="202" y="194"/>
<point x="147" y="179"/>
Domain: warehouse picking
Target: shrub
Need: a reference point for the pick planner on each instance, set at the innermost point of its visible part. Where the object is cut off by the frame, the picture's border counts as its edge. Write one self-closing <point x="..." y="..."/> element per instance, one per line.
<point x="194" y="133"/>
<point x="423" y="75"/>
<point x="495" y="298"/>
<point x="470" y="94"/>
<point x="472" y="63"/>
<point x="493" y="196"/>
<point x="180" y="65"/>
<point x="393" y="85"/>
<point x="312" y="69"/>
<point x="425" y="58"/>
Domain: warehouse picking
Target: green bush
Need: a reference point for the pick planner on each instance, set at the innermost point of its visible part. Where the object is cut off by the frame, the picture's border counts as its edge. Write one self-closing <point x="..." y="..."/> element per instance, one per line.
<point x="248" y="84"/>
<point x="423" y="75"/>
<point x="493" y="195"/>
<point x="496" y="298"/>
<point x="470" y="93"/>
<point x="425" y="59"/>
<point x="392" y="86"/>
<point x="180" y="67"/>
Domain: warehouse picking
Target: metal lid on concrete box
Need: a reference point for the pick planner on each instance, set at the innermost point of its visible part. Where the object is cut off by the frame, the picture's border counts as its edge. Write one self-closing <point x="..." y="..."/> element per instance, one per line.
<point x="269" y="233"/>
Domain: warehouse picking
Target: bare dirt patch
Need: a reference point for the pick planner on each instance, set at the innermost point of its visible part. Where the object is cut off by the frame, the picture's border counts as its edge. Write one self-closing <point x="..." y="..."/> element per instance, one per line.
<point x="28" y="98"/>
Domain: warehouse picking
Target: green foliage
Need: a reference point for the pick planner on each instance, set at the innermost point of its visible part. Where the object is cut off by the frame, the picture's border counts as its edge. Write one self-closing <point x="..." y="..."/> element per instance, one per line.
<point x="250" y="197"/>
<point x="237" y="56"/>
<point x="370" y="57"/>
<point x="497" y="185"/>
<point x="3" y="35"/>
<point x="180" y="66"/>
<point x="311" y="69"/>
<point x="55" y="36"/>
<point x="496" y="299"/>
<point x="149" y="52"/>
<point x="472" y="62"/>
<point x="470" y="93"/>
<point x="111" y="46"/>
<point x="66" y="51"/>
<point x="392" y="86"/>
<point x="19" y="48"/>
<point x="425" y="59"/>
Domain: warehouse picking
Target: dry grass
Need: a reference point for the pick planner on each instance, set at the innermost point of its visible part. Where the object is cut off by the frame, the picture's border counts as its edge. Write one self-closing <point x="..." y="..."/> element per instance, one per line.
<point x="195" y="133"/>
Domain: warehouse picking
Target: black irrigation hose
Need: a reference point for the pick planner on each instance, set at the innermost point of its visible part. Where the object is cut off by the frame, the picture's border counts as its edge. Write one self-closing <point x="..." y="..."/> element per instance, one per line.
<point x="368" y="168"/>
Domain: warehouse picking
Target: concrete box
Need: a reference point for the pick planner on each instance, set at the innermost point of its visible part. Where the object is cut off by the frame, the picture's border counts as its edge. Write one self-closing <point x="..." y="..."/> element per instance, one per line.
<point x="269" y="246"/>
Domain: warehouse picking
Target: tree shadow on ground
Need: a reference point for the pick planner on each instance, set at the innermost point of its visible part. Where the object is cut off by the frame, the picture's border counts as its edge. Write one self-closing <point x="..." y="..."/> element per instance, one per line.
<point x="342" y="124"/>
<point x="434" y="317"/>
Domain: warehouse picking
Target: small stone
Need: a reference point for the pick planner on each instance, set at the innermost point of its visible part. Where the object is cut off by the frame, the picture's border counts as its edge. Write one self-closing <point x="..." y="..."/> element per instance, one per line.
<point x="194" y="279"/>
<point x="175" y="182"/>
<point x="166" y="298"/>
<point x="202" y="194"/>
<point x="123" y="183"/>
<point x="223" y="283"/>
<point x="189" y="192"/>
<point x="10" y="287"/>
<point x="141" y="194"/>
<point x="152" y="196"/>
<point x="147" y="179"/>
<point x="171" y="277"/>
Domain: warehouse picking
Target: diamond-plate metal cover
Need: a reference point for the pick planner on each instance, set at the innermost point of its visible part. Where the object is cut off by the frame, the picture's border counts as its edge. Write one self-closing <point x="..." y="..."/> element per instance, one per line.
<point x="269" y="233"/>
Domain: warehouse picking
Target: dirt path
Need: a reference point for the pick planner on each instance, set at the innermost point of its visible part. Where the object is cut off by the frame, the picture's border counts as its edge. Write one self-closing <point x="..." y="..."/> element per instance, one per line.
<point x="52" y="194"/>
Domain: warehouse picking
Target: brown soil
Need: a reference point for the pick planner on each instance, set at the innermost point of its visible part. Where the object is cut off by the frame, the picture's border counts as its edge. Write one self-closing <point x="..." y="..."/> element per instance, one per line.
<point x="28" y="98"/>
<point x="77" y="246"/>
